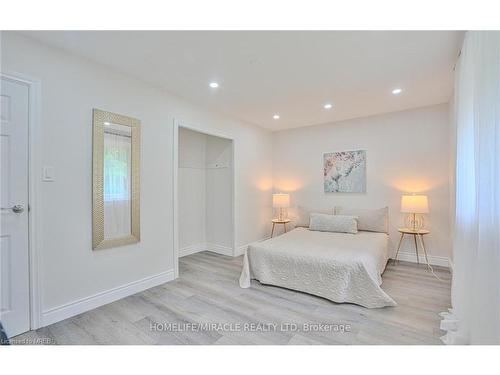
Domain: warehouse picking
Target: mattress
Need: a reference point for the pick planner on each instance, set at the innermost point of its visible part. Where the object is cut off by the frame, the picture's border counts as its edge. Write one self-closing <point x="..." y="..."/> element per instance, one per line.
<point x="338" y="266"/>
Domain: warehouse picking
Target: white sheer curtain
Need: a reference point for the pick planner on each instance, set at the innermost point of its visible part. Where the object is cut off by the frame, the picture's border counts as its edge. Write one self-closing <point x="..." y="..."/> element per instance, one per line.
<point x="117" y="184"/>
<point x="475" y="317"/>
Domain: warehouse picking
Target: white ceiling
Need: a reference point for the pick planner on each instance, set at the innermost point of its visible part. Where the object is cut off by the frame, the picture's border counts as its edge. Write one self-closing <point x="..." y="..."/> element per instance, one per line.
<point x="292" y="73"/>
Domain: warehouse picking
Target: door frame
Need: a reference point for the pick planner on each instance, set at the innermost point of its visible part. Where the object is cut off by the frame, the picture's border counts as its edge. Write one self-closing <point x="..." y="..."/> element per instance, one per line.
<point x="175" y="166"/>
<point x="34" y="178"/>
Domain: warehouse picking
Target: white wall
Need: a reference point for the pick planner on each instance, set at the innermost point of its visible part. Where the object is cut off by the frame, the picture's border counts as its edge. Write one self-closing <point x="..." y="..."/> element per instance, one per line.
<point x="192" y="188"/>
<point x="219" y="186"/>
<point x="406" y="152"/>
<point x="71" y="87"/>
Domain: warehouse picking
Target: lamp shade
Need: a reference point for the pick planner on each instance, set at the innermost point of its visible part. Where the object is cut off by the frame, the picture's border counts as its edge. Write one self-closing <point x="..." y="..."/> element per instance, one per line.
<point x="281" y="200"/>
<point x="414" y="204"/>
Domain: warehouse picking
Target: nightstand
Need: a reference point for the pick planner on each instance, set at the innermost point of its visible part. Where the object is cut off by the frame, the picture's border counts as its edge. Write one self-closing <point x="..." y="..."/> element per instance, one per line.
<point x="418" y="233"/>
<point x="278" y="221"/>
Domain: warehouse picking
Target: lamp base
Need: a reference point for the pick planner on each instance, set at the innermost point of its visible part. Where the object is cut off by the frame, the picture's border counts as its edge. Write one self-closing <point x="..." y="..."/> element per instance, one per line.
<point x="282" y="214"/>
<point x="414" y="221"/>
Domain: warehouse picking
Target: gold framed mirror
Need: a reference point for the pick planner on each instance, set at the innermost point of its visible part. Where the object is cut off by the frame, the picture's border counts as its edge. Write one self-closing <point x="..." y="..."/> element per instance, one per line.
<point x="116" y="180"/>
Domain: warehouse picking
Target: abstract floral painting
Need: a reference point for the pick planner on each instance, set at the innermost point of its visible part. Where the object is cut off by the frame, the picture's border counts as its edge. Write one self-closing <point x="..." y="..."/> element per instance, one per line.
<point x="345" y="172"/>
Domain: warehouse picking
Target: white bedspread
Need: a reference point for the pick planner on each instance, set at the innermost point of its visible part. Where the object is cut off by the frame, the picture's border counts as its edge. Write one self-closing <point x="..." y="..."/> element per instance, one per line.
<point x="338" y="266"/>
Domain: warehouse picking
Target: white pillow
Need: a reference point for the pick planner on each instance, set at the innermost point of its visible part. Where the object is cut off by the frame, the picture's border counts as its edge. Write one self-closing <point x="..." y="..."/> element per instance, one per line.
<point x="304" y="213"/>
<point x="334" y="223"/>
<point x="376" y="220"/>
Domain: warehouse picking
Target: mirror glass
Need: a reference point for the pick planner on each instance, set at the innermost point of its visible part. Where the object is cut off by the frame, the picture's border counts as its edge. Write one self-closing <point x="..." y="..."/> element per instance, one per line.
<point x="116" y="174"/>
<point x="117" y="180"/>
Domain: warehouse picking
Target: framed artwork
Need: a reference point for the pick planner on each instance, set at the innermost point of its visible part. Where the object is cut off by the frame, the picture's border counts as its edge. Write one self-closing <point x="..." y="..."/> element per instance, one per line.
<point x="344" y="172"/>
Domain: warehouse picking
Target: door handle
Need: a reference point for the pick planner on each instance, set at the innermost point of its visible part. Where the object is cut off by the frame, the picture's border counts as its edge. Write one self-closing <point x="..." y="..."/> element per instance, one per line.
<point x="17" y="209"/>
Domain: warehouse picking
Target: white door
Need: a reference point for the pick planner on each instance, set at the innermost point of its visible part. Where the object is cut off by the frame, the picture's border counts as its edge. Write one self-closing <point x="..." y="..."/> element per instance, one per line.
<point x="14" y="258"/>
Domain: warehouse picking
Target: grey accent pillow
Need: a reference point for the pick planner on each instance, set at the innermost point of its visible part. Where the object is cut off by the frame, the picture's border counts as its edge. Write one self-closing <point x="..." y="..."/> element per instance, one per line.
<point x="304" y="214"/>
<point x="376" y="220"/>
<point x="334" y="223"/>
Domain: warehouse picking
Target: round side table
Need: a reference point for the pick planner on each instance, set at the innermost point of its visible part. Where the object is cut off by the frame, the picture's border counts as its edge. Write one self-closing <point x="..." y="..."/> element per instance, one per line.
<point x="278" y="221"/>
<point x="419" y="233"/>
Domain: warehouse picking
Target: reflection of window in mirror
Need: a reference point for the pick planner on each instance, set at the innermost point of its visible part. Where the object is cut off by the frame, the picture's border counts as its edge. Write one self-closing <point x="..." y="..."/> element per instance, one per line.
<point x="117" y="180"/>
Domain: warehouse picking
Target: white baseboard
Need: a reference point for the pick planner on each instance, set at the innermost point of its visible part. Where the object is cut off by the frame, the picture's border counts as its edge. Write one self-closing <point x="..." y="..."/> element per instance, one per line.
<point x="219" y="249"/>
<point x="433" y="260"/>
<point x="451" y="265"/>
<point x="240" y="250"/>
<point x="191" y="249"/>
<point x="88" y="303"/>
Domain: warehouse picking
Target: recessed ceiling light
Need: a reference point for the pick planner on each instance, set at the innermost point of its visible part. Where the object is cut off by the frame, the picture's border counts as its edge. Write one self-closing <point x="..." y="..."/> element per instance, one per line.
<point x="397" y="91"/>
<point x="106" y="123"/>
<point x="327" y="106"/>
<point x="276" y="117"/>
<point x="214" y="85"/>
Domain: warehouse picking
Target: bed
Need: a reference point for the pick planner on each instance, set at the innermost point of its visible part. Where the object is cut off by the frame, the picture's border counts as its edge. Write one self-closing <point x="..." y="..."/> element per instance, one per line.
<point x="341" y="267"/>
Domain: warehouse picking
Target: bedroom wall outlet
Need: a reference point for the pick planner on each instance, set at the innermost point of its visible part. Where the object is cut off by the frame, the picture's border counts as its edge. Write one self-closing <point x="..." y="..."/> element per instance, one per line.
<point x="48" y="174"/>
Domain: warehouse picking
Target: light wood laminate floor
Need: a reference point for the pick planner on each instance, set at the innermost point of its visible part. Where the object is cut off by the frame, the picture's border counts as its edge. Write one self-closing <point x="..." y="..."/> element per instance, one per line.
<point x="208" y="292"/>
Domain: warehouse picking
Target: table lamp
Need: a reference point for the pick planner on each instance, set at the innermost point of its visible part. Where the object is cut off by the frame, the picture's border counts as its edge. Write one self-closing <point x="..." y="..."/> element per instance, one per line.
<point x="281" y="201"/>
<point x="414" y="205"/>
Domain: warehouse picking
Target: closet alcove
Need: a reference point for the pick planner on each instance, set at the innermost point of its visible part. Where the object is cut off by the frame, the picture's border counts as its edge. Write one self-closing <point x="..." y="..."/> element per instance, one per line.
<point x="205" y="193"/>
